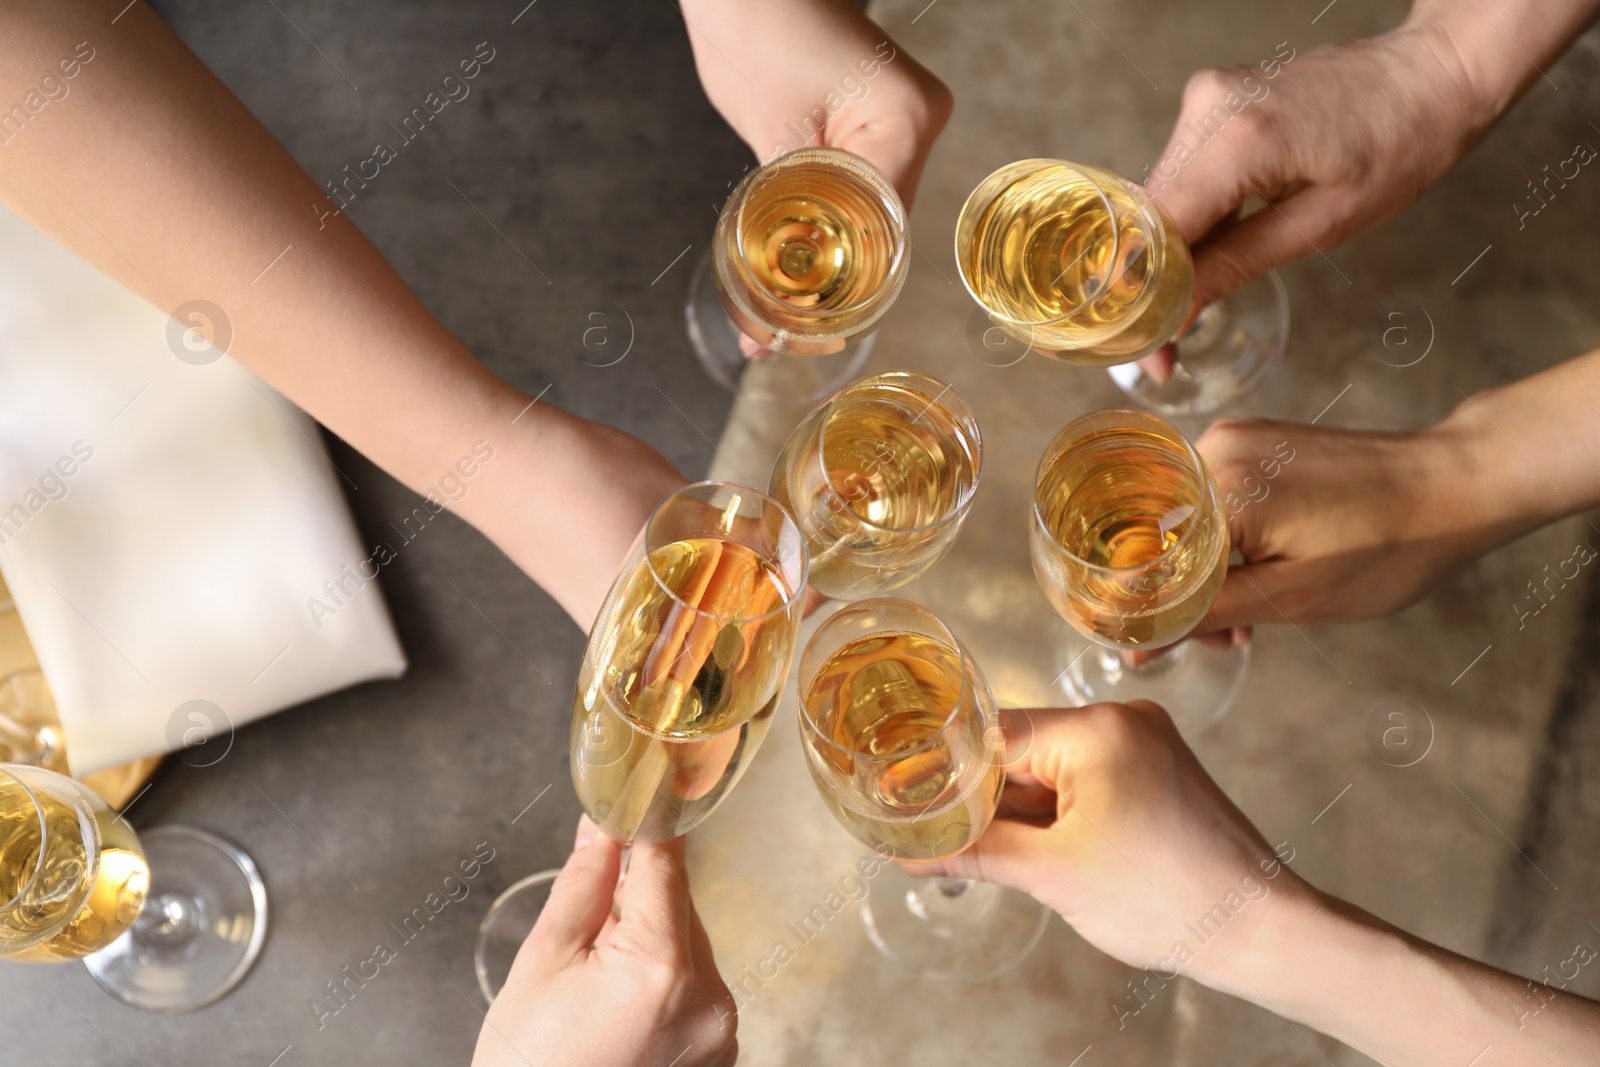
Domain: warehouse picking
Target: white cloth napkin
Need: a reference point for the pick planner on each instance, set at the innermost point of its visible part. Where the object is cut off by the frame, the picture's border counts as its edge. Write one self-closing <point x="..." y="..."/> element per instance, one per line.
<point x="164" y="524"/>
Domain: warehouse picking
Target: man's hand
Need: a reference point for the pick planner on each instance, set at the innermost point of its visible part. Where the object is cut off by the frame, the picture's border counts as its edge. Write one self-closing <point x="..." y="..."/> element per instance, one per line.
<point x="1341" y="138"/>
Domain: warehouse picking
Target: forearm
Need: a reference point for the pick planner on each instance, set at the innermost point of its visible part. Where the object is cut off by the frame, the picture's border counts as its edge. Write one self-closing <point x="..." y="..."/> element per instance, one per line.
<point x="1401" y="1000"/>
<point x="1523" y="455"/>
<point x="151" y="170"/>
<point x="1499" y="46"/>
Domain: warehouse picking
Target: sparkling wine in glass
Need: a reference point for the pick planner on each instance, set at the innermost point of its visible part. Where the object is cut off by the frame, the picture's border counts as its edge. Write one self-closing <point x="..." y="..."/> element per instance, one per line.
<point x="1130" y="545"/>
<point x="1079" y="263"/>
<point x="678" y="683"/>
<point x="880" y="478"/>
<point x="169" y="921"/>
<point x="807" y="255"/>
<point x="903" y="739"/>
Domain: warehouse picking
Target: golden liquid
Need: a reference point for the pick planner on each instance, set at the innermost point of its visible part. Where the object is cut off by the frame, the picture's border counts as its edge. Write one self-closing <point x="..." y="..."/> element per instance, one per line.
<point x="896" y="774"/>
<point x="75" y="905"/>
<point x="816" y="240"/>
<point x="864" y="485"/>
<point x="1046" y="249"/>
<point x="671" y="703"/>
<point x="1120" y="499"/>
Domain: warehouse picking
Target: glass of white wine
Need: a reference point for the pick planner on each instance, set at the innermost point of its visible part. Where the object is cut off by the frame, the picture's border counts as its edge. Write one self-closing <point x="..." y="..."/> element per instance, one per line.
<point x="880" y="477"/>
<point x="808" y="253"/>
<point x="1130" y="545"/>
<point x="679" y="680"/>
<point x="1079" y="263"/>
<point x="904" y="741"/>
<point x="169" y="920"/>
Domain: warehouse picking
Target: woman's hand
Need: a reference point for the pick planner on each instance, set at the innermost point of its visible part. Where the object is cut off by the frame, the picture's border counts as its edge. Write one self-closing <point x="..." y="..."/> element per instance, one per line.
<point x="1108" y="818"/>
<point x="791" y="73"/>
<point x="1344" y="525"/>
<point x="1340" y="525"/>
<point x="594" y="988"/>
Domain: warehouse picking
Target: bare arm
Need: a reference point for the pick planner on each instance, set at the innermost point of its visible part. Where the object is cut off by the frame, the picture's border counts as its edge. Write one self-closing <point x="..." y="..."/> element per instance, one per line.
<point x="1109" y="818"/>
<point x="1401" y="999"/>
<point x="152" y="171"/>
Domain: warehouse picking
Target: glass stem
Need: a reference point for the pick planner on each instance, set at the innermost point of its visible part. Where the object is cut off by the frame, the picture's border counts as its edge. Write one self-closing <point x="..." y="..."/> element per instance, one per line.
<point x="168" y="922"/>
<point x="1150" y="661"/>
<point x="954" y="887"/>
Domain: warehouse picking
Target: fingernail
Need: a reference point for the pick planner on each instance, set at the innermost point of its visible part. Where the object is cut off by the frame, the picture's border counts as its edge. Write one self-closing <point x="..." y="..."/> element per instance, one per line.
<point x="586" y="833"/>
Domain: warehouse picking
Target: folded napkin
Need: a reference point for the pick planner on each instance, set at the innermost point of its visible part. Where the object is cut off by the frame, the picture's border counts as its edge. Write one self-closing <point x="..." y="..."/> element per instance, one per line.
<point x="166" y="520"/>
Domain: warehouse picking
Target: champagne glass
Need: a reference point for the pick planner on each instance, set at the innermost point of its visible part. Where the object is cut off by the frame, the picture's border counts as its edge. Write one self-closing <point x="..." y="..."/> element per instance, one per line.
<point x="1079" y="263"/>
<point x="170" y="920"/>
<point x="880" y="478"/>
<point x="1130" y="546"/>
<point x="808" y="253"/>
<point x="679" y="680"/>
<point x="30" y="726"/>
<point x="903" y="739"/>
<point x="506" y="926"/>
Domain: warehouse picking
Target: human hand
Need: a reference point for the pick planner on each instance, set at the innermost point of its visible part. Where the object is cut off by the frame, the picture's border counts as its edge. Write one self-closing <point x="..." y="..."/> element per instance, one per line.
<point x="592" y="988"/>
<point x="1342" y="525"/>
<point x="1108" y="818"/>
<point x="1336" y="140"/>
<point x="791" y="73"/>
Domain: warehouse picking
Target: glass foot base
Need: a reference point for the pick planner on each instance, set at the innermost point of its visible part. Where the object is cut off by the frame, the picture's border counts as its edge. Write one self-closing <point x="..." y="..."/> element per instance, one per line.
<point x="799" y="380"/>
<point x="201" y="929"/>
<point x="951" y="928"/>
<point x="1196" y="682"/>
<point x="1226" y="352"/>
<point x="506" y="925"/>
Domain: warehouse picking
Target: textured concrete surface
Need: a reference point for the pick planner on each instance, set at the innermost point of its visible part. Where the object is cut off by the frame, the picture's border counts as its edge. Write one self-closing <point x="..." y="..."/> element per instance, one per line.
<point x="588" y="144"/>
<point x="1433" y="847"/>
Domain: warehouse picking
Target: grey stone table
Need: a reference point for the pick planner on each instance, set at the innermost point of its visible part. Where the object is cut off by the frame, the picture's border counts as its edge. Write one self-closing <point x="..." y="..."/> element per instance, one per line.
<point x="588" y="145"/>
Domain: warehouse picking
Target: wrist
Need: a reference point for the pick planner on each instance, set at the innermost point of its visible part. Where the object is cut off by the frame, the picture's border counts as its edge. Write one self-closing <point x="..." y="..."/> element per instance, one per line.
<point x="1466" y="76"/>
<point x="1494" y="49"/>
<point x="564" y="497"/>
<point x="1322" y="962"/>
<point x="1486" y="488"/>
